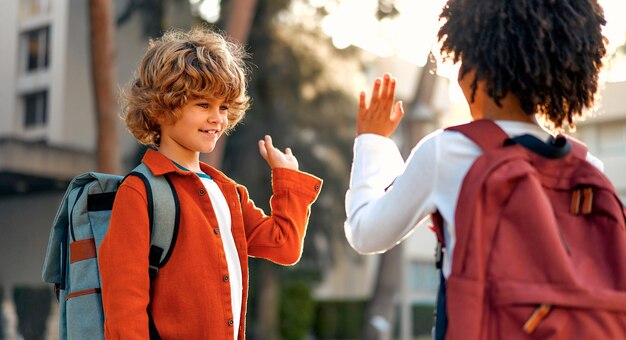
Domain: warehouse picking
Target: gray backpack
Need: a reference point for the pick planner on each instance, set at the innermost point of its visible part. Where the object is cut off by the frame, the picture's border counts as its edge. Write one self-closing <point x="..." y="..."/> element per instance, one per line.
<point x="79" y="227"/>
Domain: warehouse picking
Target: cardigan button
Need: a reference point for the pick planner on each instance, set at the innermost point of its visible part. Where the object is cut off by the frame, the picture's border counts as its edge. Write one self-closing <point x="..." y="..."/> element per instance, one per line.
<point x="225" y="278"/>
<point x="231" y="322"/>
<point x="202" y="192"/>
<point x="316" y="187"/>
<point x="216" y="231"/>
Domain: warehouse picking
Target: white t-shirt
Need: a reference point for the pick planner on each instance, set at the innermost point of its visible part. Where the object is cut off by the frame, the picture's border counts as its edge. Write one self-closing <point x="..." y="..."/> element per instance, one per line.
<point x="222" y="213"/>
<point x="430" y="180"/>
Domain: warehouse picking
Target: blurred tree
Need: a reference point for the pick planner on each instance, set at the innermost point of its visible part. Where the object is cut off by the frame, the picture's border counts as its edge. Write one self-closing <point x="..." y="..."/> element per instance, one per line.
<point x="304" y="95"/>
<point x="152" y="12"/>
<point x="156" y="15"/>
<point x="103" y="80"/>
<point x="386" y="9"/>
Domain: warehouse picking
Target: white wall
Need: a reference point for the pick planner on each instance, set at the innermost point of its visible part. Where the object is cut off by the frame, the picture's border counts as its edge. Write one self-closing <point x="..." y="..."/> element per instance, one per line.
<point x="76" y="118"/>
<point x="8" y="61"/>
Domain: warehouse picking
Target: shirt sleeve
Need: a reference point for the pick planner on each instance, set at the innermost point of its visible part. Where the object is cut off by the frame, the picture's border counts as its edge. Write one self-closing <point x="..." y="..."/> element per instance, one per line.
<point x="595" y="161"/>
<point x="279" y="236"/>
<point x="379" y="215"/>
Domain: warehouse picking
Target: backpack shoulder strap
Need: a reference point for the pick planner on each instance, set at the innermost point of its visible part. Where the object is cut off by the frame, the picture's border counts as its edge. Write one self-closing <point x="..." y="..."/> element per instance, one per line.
<point x="485" y="133"/>
<point x="164" y="214"/>
<point x="579" y="148"/>
<point x="488" y="135"/>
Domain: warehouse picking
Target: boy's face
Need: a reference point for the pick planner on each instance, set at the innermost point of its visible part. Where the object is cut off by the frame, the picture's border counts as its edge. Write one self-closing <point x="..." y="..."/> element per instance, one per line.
<point x="202" y="122"/>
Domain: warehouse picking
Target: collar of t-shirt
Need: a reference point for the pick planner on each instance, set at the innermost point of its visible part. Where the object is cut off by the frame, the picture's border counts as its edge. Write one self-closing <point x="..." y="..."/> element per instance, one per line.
<point x="202" y="175"/>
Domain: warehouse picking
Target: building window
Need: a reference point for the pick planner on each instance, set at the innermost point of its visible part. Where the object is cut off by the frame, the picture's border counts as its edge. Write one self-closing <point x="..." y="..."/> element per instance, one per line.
<point x="33" y="8"/>
<point x="612" y="138"/>
<point x="37" y="49"/>
<point x="35" y="109"/>
<point x="423" y="277"/>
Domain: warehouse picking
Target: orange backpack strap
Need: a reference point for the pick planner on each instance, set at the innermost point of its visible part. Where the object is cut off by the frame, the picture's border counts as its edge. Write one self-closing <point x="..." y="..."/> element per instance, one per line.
<point x="437" y="226"/>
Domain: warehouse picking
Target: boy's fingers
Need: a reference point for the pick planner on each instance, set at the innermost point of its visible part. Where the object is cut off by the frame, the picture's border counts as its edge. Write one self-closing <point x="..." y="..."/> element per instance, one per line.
<point x="262" y="149"/>
<point x="362" y="106"/>
<point x="375" y="92"/>
<point x="398" y="112"/>
<point x="288" y="152"/>
<point x="389" y="97"/>
<point x="391" y="91"/>
<point x="268" y="141"/>
<point x="385" y="89"/>
<point x="269" y="147"/>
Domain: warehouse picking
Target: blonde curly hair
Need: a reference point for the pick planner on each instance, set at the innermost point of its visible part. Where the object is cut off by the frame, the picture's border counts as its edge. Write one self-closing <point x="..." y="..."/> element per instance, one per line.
<point x="181" y="66"/>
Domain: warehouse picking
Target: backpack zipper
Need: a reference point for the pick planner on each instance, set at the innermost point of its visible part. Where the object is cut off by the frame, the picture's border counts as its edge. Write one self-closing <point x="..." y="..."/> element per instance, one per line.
<point x="536" y="317"/>
<point x="582" y="202"/>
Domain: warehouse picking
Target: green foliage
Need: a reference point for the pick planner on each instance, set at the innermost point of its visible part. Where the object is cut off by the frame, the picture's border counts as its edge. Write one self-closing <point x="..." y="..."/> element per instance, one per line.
<point x="422" y="320"/>
<point x="339" y="319"/>
<point x="344" y="320"/>
<point x="297" y="311"/>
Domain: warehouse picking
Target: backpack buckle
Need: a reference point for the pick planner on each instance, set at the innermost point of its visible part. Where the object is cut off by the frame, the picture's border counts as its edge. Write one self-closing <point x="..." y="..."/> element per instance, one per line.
<point x="152" y="271"/>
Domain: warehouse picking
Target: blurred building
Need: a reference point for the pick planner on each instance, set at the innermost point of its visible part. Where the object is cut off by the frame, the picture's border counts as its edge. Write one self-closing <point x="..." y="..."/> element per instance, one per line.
<point x="605" y="134"/>
<point x="47" y="119"/>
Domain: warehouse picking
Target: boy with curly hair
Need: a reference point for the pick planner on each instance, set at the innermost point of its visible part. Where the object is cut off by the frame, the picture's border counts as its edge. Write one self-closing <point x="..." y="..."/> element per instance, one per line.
<point x="190" y="89"/>
<point x="522" y="62"/>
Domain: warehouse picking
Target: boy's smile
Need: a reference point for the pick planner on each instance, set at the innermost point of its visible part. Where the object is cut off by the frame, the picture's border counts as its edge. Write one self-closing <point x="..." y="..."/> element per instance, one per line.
<point x="210" y="132"/>
<point x="202" y="122"/>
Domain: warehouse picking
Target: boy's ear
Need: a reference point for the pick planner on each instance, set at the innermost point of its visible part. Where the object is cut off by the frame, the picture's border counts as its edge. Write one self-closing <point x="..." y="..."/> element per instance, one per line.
<point x="166" y="117"/>
<point x="161" y="119"/>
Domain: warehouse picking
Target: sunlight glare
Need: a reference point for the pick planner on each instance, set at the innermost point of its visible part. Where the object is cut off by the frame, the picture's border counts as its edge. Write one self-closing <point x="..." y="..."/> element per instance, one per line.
<point x="412" y="34"/>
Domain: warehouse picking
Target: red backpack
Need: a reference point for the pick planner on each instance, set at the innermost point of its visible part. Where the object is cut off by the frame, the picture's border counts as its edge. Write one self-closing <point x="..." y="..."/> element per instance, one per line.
<point x="540" y="244"/>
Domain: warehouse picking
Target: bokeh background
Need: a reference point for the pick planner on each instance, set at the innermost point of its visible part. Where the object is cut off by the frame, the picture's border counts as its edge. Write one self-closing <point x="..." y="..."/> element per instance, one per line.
<point x="63" y="62"/>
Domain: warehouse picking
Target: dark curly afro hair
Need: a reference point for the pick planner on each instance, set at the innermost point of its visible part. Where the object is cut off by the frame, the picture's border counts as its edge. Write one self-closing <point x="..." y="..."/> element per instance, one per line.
<point x="548" y="53"/>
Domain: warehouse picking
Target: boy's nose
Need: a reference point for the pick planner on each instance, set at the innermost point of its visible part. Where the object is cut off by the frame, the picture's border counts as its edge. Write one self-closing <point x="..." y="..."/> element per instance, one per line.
<point x="214" y="116"/>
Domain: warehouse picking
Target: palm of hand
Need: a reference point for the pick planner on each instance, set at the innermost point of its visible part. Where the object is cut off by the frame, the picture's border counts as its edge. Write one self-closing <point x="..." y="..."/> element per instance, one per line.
<point x="276" y="158"/>
<point x="380" y="116"/>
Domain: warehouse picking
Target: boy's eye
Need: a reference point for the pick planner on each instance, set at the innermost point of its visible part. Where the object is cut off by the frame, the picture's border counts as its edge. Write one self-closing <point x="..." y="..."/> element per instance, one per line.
<point x="203" y="105"/>
<point x="223" y="108"/>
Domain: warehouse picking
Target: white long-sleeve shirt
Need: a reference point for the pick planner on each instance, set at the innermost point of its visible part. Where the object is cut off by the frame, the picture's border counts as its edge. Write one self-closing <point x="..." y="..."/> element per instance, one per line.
<point x="430" y="180"/>
<point x="222" y="214"/>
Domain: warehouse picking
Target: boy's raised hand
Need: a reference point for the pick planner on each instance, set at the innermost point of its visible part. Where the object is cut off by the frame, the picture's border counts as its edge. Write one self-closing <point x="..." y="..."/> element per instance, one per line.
<point x="276" y="158"/>
<point x="380" y="116"/>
